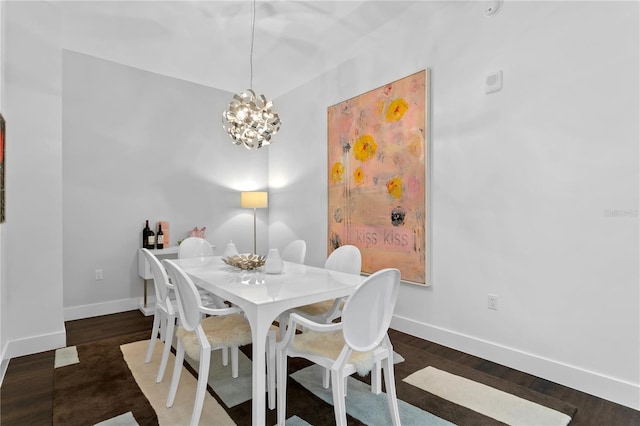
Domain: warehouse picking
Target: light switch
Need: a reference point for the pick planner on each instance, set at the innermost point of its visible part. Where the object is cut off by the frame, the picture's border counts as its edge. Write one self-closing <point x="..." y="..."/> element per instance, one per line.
<point x="493" y="82"/>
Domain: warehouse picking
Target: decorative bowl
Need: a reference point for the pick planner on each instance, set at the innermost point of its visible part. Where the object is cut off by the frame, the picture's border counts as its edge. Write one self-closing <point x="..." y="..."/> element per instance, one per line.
<point x="246" y="262"/>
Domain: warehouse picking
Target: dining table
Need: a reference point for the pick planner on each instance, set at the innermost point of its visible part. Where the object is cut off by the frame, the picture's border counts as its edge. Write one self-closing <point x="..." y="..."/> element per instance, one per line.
<point x="263" y="297"/>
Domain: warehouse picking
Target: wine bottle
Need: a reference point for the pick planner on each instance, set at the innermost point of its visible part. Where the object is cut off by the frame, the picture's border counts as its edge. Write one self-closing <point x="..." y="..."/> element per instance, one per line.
<point x="160" y="237"/>
<point x="151" y="239"/>
<point x="145" y="236"/>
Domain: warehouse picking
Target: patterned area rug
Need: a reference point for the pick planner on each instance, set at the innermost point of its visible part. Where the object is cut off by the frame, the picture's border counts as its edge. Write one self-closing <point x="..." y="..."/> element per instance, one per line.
<point x="100" y="386"/>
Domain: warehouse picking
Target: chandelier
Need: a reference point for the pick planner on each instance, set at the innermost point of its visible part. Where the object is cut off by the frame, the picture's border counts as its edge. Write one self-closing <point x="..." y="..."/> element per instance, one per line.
<point x="250" y="119"/>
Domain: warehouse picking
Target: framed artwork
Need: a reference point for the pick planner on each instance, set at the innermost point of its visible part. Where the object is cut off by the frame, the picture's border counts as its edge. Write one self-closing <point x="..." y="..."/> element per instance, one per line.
<point x="378" y="151"/>
<point x="2" y="183"/>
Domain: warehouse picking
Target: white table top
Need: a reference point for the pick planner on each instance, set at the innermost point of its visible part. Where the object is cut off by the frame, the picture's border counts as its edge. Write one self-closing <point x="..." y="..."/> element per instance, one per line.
<point x="263" y="297"/>
<point x="297" y="285"/>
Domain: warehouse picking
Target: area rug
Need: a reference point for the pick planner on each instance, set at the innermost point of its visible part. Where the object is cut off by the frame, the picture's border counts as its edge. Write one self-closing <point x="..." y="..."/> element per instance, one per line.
<point x="232" y="391"/>
<point x="361" y="404"/>
<point x="491" y="402"/>
<point x="101" y="386"/>
<point x="156" y="393"/>
<point x="456" y="412"/>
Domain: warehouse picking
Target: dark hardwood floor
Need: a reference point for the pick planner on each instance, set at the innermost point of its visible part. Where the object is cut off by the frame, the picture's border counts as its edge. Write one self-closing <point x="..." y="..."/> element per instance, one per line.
<point x="26" y="393"/>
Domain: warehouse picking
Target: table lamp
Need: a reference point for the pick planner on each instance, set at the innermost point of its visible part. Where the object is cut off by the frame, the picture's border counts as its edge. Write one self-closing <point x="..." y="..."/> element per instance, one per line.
<point x="254" y="200"/>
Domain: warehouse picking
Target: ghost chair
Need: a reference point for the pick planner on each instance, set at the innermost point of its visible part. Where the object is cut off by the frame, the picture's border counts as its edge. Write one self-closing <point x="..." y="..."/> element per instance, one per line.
<point x="164" y="315"/>
<point x="346" y="259"/>
<point x="356" y="344"/>
<point x="198" y="336"/>
<point x="196" y="247"/>
<point x="295" y="252"/>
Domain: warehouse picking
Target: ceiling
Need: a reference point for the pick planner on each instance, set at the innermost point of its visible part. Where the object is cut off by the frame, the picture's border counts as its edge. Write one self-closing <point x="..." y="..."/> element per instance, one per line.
<point x="209" y="42"/>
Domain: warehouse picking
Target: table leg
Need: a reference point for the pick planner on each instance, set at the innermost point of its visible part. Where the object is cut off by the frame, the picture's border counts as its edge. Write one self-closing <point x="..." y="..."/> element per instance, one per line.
<point x="260" y="325"/>
<point x="145" y="293"/>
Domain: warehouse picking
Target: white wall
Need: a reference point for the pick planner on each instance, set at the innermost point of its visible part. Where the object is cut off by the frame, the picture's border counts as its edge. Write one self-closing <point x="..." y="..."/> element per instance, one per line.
<point x="3" y="341"/>
<point x="524" y="182"/>
<point x="142" y="146"/>
<point x="32" y="235"/>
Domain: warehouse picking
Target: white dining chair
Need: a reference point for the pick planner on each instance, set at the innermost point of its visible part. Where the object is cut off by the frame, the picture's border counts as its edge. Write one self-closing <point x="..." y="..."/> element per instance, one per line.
<point x="193" y="247"/>
<point x="198" y="336"/>
<point x="356" y="344"/>
<point x="164" y="314"/>
<point x="295" y="251"/>
<point x="346" y="259"/>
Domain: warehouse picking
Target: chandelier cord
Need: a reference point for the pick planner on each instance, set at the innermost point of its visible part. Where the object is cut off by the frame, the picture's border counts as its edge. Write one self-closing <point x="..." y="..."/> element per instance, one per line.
<point x="249" y="118"/>
<point x="253" y="27"/>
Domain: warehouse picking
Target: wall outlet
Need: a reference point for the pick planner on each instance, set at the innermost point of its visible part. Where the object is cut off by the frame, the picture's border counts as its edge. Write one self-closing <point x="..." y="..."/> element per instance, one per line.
<point x="493" y="82"/>
<point x="492" y="302"/>
<point x="99" y="275"/>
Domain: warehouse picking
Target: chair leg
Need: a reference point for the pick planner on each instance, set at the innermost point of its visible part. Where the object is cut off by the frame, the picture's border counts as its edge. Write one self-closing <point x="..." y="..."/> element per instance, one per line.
<point x="154" y="337"/>
<point x="344" y="388"/>
<point x="203" y="376"/>
<point x="376" y="379"/>
<point x="281" y="383"/>
<point x="390" y="384"/>
<point x="225" y="356"/>
<point x="167" y="349"/>
<point x="163" y="330"/>
<point x="326" y="378"/>
<point x="175" y="379"/>
<point x="282" y="323"/>
<point x="234" y="362"/>
<point x="271" y="369"/>
<point x="339" y="405"/>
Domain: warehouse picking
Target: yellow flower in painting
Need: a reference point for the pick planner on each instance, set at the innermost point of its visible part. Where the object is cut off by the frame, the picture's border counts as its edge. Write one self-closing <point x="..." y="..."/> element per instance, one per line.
<point x="396" y="109"/>
<point x="365" y="148"/>
<point x="336" y="171"/>
<point x="358" y="175"/>
<point x="415" y="146"/>
<point x="394" y="187"/>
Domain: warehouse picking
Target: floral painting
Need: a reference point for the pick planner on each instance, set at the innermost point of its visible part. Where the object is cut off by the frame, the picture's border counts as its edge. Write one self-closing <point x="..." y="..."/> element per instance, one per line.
<point x="377" y="163"/>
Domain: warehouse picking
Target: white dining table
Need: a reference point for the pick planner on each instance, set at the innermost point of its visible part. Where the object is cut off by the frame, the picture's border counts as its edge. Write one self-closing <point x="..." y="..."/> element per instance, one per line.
<point x="263" y="297"/>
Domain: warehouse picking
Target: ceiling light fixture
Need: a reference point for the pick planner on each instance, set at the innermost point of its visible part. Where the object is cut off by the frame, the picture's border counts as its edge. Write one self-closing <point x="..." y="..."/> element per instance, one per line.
<point x="250" y="119"/>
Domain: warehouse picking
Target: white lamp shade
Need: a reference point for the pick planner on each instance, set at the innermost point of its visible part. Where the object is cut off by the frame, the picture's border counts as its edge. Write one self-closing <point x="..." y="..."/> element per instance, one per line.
<point x="254" y="200"/>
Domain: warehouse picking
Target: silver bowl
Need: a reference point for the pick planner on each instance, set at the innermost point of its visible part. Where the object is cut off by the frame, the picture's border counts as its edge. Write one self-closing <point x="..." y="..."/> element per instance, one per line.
<point x="246" y="262"/>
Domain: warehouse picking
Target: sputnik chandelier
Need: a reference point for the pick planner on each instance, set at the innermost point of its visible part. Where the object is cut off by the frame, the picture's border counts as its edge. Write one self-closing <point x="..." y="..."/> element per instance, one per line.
<point x="250" y="119"/>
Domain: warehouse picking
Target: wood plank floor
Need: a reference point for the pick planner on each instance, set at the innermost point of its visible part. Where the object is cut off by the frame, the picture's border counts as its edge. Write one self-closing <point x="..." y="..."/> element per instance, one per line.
<point x="26" y="395"/>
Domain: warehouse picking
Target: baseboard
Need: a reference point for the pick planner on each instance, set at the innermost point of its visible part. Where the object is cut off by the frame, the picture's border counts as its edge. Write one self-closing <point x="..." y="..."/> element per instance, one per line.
<point x="35" y="344"/>
<point x="97" y="309"/>
<point x="32" y="345"/>
<point x="28" y="346"/>
<point x="609" y="388"/>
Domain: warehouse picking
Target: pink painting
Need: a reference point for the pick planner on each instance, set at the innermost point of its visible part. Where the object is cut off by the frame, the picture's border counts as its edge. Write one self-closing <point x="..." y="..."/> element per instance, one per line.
<point x="377" y="184"/>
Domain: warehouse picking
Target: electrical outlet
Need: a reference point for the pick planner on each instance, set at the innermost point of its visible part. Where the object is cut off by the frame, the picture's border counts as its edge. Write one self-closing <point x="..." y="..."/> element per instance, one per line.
<point x="492" y="301"/>
<point x="99" y="275"/>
